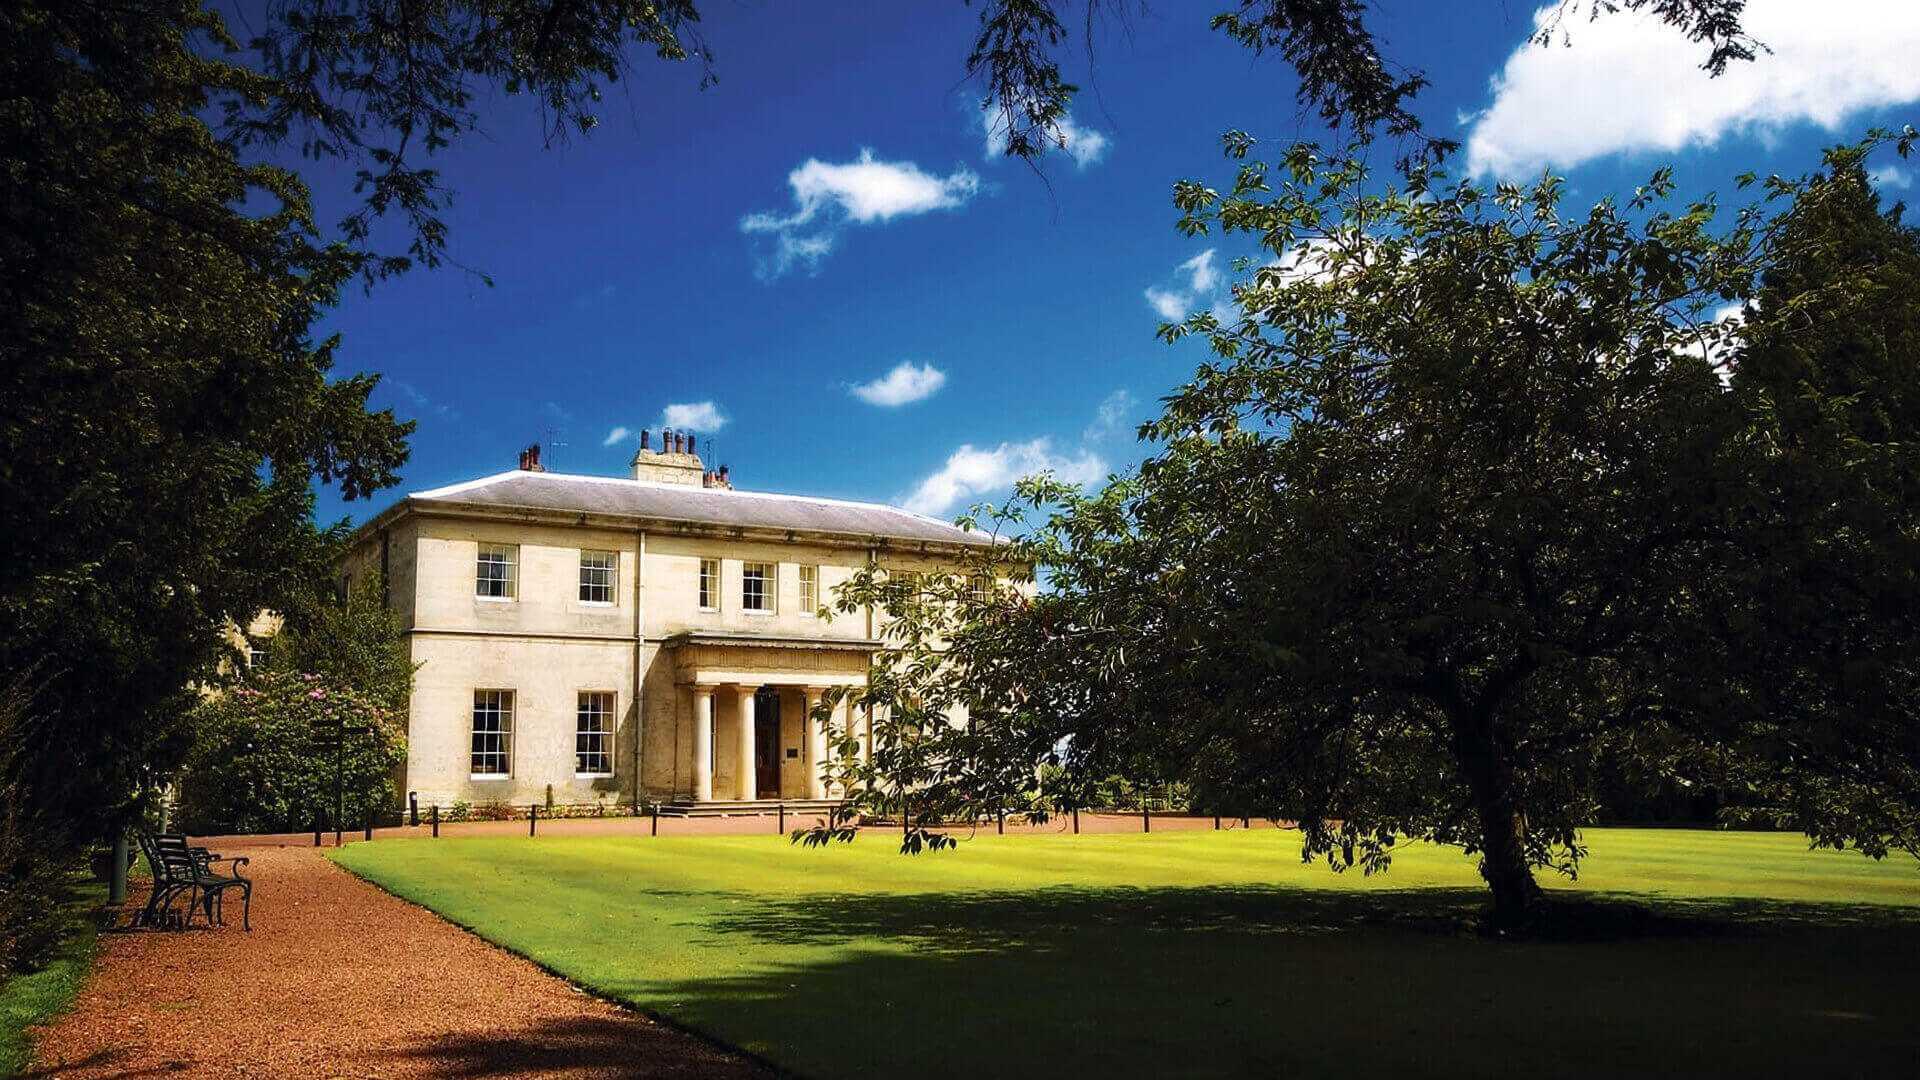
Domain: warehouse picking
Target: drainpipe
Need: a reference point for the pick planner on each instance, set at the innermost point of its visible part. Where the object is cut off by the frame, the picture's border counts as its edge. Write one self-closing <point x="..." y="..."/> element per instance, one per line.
<point x="639" y="648"/>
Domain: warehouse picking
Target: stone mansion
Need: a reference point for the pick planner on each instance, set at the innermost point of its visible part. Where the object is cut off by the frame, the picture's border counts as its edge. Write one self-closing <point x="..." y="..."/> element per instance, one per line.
<point x="580" y="633"/>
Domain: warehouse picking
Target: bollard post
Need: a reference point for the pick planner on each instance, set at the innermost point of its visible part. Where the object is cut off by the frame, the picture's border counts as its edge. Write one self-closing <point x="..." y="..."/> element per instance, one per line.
<point x="1216" y="823"/>
<point x="369" y="831"/>
<point x="656" y="820"/>
<point x="436" y="821"/>
<point x="533" y="816"/>
<point x="117" y="882"/>
<point x="781" y="828"/>
<point x="1146" y="817"/>
<point x="1001" y="828"/>
<point x="1076" y="821"/>
<point x="413" y="809"/>
<point x="316" y="828"/>
<point x="1244" y="824"/>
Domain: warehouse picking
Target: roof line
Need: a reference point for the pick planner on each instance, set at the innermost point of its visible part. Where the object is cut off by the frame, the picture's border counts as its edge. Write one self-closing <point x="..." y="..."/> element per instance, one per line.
<point x="469" y="485"/>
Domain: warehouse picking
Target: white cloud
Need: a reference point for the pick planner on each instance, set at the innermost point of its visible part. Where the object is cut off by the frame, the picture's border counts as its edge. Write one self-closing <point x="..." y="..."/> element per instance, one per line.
<point x="1891" y="176"/>
<point x="1171" y="305"/>
<point x="828" y="196"/>
<point x="905" y="384"/>
<point x="1200" y="281"/>
<point x="1628" y="83"/>
<point x="693" y="416"/>
<point x="1107" y="420"/>
<point x="971" y="471"/>
<point x="618" y="434"/>
<point x="1084" y="145"/>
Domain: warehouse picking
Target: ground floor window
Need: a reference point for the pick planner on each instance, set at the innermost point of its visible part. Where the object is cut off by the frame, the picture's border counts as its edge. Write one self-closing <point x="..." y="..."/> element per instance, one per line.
<point x="593" y="734"/>
<point x="492" y="754"/>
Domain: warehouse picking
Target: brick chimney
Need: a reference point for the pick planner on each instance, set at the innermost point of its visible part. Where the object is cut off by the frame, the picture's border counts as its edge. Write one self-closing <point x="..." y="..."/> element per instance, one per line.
<point x="717" y="479"/>
<point x="674" y="463"/>
<point x="530" y="459"/>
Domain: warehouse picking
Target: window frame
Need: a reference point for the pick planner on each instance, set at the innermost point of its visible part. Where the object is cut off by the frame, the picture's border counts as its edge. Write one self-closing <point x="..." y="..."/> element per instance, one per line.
<point x="511" y="579"/>
<point x="612" y="572"/>
<point x="606" y="735"/>
<point x="809" y="589"/>
<point x="707" y="589"/>
<point x="502" y="706"/>
<point x="768" y="575"/>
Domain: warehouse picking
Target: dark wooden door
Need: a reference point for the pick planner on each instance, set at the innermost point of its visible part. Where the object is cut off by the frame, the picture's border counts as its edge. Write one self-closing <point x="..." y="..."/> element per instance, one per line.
<point x="766" y="737"/>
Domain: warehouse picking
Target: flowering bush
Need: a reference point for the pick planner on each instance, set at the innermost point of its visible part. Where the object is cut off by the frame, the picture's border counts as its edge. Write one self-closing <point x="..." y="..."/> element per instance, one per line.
<point x="262" y="760"/>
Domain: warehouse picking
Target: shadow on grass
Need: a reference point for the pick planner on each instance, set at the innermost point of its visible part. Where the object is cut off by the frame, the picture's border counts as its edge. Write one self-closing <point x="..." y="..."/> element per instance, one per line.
<point x="1125" y="982"/>
<point x="625" y="1047"/>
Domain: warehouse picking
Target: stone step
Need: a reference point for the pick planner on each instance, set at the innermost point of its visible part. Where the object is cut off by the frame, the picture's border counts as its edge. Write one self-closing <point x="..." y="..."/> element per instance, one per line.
<point x="746" y="807"/>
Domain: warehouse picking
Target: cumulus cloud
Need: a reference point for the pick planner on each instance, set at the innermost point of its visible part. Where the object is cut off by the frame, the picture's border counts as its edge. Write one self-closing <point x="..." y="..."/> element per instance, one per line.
<point x="618" y="434"/>
<point x="1110" y="417"/>
<point x="1891" y="177"/>
<point x="1628" y="83"/>
<point x="906" y="383"/>
<point x="693" y="416"/>
<point x="1084" y="145"/>
<point x="1196" y="282"/>
<point x="828" y="196"/>
<point x="973" y="471"/>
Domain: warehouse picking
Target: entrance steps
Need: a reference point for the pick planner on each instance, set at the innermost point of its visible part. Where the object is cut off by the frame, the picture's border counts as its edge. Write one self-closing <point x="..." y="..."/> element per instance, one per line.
<point x="686" y="808"/>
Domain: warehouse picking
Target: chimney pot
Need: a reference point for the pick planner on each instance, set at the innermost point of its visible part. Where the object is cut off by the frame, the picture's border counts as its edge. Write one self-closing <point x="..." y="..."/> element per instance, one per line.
<point x="530" y="459"/>
<point x="690" y="448"/>
<point x="643" y="438"/>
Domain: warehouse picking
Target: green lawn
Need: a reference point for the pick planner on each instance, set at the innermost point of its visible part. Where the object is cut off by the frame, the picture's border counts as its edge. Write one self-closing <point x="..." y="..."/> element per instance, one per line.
<point x="1203" y="953"/>
<point x="35" y="998"/>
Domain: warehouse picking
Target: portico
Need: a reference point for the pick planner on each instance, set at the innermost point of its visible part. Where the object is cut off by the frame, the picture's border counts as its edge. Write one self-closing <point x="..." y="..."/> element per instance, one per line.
<point x="750" y="702"/>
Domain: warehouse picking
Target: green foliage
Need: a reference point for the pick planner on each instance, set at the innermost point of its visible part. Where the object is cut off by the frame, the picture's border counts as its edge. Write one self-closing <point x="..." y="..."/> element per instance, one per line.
<point x="255" y="766"/>
<point x="35" y="997"/>
<point x="1464" y="524"/>
<point x="357" y="642"/>
<point x="36" y="841"/>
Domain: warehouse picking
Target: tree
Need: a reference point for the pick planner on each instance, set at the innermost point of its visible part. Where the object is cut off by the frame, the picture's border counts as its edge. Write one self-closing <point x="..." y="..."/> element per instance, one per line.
<point x="258" y="763"/>
<point x="356" y="641"/>
<point x="1463" y="509"/>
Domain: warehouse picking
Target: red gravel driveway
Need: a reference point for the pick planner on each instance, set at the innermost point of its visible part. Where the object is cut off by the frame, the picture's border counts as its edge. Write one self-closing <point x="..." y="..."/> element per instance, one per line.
<point x="339" y="979"/>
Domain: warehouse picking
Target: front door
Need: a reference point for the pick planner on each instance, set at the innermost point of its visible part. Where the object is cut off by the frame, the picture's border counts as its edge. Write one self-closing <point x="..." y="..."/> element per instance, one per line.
<point x="766" y="736"/>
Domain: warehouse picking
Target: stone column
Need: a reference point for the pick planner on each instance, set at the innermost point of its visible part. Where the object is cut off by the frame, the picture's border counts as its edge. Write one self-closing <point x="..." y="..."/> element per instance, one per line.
<point x="703" y="744"/>
<point x="744" y="771"/>
<point x="816" y="747"/>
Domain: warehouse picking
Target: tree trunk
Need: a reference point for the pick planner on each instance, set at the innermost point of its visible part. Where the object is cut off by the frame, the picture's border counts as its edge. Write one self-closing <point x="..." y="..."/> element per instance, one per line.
<point x="1503" y="862"/>
<point x="1503" y="825"/>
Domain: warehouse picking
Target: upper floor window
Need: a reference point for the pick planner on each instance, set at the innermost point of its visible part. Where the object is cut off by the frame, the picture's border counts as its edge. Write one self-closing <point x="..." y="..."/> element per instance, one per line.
<point x="496" y="572"/>
<point x="756" y="587"/>
<point x="709" y="584"/>
<point x="256" y="652"/>
<point x="492" y="753"/>
<point x="809" y="589"/>
<point x="593" y="734"/>
<point x="598" y="575"/>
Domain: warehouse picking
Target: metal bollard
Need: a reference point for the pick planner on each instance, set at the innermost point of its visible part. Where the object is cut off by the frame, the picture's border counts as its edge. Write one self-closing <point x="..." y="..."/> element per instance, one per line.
<point x="436" y="820"/>
<point x="369" y="830"/>
<point x="1216" y="823"/>
<point x="656" y="821"/>
<point x="413" y="809"/>
<point x="1076" y="821"/>
<point x="1001" y="828"/>
<point x="533" y="816"/>
<point x="781" y="828"/>
<point x="316" y="828"/>
<point x="1146" y="817"/>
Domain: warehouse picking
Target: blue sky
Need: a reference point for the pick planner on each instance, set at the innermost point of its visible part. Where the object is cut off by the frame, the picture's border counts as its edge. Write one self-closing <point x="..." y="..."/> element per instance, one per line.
<point x="818" y="262"/>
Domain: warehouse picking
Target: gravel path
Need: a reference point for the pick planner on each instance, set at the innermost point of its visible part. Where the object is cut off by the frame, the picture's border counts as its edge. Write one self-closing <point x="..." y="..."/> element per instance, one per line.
<point x="339" y="979"/>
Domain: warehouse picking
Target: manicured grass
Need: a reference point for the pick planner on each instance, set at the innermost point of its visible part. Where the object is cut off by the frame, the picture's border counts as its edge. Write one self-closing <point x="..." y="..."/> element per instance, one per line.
<point x="1204" y="953"/>
<point x="37" y="997"/>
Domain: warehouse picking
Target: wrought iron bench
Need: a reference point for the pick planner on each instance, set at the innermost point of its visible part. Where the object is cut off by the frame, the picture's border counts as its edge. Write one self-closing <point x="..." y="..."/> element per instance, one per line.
<point x="183" y="870"/>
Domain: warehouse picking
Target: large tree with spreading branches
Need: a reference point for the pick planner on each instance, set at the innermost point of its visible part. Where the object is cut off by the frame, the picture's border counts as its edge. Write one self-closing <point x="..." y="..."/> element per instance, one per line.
<point x="1479" y="495"/>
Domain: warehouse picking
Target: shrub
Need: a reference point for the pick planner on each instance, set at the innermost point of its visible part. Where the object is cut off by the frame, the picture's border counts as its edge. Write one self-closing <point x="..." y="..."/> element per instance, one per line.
<point x="256" y="765"/>
<point x="37" y="849"/>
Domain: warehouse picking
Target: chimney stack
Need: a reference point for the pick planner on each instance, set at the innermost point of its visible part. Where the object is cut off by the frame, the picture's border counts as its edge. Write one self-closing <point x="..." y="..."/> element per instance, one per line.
<point x="530" y="459"/>
<point x="690" y="448"/>
<point x="676" y="462"/>
<point x="643" y="438"/>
